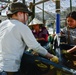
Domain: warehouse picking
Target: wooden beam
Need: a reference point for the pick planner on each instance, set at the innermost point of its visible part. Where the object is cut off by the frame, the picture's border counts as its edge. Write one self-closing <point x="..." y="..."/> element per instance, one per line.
<point x="7" y="1"/>
<point x="46" y="12"/>
<point x="41" y="2"/>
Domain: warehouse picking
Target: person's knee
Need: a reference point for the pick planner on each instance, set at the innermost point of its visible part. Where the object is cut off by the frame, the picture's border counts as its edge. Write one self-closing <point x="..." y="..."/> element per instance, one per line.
<point x="3" y="73"/>
<point x="6" y="73"/>
<point x="10" y="73"/>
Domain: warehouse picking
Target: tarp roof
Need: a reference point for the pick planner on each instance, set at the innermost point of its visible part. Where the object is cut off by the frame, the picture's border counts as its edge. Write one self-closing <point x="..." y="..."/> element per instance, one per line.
<point x="49" y="5"/>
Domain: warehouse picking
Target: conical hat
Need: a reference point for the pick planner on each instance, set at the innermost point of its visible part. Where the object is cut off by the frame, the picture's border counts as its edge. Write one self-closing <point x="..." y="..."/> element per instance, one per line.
<point x="35" y="21"/>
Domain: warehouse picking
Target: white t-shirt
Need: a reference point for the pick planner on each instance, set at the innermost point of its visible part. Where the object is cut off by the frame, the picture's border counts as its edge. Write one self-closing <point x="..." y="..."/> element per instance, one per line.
<point x="14" y="36"/>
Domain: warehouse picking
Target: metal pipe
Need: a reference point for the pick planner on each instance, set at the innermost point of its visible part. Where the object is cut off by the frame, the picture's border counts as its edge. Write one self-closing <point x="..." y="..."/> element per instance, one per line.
<point x="33" y="10"/>
<point x="70" y="5"/>
<point x="43" y="11"/>
<point x="57" y="16"/>
<point x="0" y="17"/>
<point x="23" y="1"/>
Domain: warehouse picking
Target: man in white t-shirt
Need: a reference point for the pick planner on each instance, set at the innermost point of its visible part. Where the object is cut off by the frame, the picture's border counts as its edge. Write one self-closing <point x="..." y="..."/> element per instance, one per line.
<point x="14" y="36"/>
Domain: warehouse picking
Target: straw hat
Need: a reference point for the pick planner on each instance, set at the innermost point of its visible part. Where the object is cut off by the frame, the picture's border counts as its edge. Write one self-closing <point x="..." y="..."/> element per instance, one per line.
<point x="35" y="21"/>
